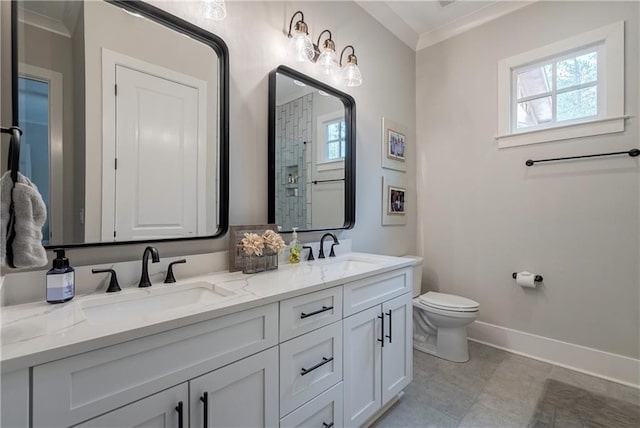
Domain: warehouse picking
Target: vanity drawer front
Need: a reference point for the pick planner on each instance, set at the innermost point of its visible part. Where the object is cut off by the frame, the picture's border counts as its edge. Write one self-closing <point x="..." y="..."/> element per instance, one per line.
<point x="304" y="369"/>
<point x="366" y="293"/>
<point x="322" y="411"/>
<point x="306" y="313"/>
<point x="74" y="389"/>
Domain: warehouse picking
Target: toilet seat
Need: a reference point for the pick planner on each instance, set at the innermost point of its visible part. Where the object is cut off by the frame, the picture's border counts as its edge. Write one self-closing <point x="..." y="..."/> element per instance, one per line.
<point x="448" y="302"/>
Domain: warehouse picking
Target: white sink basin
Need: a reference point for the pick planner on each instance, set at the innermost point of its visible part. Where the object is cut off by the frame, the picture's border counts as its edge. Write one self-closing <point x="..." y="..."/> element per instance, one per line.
<point x="159" y="299"/>
<point x="349" y="264"/>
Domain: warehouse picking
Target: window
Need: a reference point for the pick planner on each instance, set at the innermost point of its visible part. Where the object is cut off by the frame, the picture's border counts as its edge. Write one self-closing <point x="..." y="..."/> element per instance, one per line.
<point x="334" y="139"/>
<point x="573" y="88"/>
<point x="331" y="133"/>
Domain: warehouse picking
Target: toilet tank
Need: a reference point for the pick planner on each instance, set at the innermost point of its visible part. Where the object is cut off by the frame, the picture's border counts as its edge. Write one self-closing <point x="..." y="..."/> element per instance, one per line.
<point x="417" y="275"/>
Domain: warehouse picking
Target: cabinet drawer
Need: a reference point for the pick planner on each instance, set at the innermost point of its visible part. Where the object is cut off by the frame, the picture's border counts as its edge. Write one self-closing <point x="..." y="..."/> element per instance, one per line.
<point x="309" y="365"/>
<point x="324" y="410"/>
<point x="309" y="312"/>
<point x="366" y="293"/>
<point x="77" y="388"/>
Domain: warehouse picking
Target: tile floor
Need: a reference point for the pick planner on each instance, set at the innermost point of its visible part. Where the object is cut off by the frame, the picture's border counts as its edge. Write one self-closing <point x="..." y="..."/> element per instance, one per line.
<point x="494" y="389"/>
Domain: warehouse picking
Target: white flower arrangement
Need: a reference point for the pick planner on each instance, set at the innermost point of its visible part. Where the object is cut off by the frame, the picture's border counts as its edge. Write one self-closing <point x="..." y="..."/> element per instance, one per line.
<point x="273" y="241"/>
<point x="254" y="244"/>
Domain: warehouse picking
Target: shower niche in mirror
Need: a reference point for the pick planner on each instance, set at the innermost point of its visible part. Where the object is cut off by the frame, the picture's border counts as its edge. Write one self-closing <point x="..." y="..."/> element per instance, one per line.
<point x="311" y="153"/>
<point x="124" y="113"/>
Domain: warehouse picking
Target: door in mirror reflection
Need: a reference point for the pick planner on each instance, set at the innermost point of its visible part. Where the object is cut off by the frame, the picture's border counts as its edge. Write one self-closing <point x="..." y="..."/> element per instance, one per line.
<point x="121" y="105"/>
<point x="311" y="143"/>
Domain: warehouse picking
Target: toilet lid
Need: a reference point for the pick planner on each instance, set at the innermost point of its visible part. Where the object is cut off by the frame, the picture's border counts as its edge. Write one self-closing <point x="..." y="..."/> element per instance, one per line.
<point x="448" y="302"/>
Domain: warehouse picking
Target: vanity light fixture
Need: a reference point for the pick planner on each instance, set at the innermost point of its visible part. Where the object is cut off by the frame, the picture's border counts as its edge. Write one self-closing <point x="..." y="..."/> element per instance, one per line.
<point x="301" y="45"/>
<point x="326" y="60"/>
<point x="350" y="73"/>
<point x="215" y="10"/>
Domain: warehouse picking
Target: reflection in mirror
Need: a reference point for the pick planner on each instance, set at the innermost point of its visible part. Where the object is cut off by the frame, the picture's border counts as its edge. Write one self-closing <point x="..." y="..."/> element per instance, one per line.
<point x="123" y="128"/>
<point x="311" y="153"/>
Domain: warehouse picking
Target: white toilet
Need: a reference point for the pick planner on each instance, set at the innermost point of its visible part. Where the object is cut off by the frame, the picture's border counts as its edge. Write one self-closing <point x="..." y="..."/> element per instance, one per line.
<point x="440" y="321"/>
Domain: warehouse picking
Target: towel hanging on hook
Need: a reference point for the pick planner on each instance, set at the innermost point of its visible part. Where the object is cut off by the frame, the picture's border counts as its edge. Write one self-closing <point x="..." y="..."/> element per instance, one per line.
<point x="22" y="213"/>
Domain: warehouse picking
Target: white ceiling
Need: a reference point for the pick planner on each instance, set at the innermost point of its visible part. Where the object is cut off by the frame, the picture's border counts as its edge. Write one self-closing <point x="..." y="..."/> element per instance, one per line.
<point x="422" y="23"/>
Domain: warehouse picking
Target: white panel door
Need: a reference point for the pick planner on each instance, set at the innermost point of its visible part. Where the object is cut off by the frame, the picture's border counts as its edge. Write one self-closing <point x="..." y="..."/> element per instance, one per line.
<point x="362" y="366"/>
<point x="242" y="394"/>
<point x="397" y="354"/>
<point x="157" y="157"/>
<point x="161" y="410"/>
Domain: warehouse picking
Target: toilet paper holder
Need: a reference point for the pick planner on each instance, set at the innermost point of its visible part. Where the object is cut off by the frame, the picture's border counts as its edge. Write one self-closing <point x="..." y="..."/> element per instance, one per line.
<point x="537" y="278"/>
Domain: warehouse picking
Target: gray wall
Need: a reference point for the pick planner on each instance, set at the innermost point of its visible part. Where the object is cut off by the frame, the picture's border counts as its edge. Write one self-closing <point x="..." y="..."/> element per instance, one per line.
<point x="484" y="215"/>
<point x="388" y="67"/>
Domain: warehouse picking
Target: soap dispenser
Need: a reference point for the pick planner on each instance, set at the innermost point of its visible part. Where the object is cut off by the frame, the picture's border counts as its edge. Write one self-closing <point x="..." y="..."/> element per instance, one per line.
<point x="61" y="280"/>
<point x="294" y="247"/>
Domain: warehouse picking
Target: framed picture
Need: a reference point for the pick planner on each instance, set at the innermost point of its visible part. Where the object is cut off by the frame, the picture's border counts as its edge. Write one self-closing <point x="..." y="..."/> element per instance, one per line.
<point x="236" y="233"/>
<point x="394" y="202"/>
<point x="394" y="145"/>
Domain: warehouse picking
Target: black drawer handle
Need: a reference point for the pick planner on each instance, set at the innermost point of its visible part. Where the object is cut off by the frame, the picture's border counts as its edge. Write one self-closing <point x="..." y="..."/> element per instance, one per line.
<point x="179" y="410"/>
<point x="325" y="360"/>
<point x="205" y="411"/>
<point x="390" y="327"/>
<point x="381" y="317"/>
<point x="326" y="425"/>
<point x="319" y="311"/>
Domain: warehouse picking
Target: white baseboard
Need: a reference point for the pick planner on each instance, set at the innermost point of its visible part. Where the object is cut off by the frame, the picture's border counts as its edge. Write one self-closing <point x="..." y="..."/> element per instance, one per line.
<point x="606" y="365"/>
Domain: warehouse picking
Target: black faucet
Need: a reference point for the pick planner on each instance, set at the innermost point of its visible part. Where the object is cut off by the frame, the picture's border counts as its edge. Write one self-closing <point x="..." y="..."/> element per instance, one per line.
<point x="155" y="257"/>
<point x="335" y="242"/>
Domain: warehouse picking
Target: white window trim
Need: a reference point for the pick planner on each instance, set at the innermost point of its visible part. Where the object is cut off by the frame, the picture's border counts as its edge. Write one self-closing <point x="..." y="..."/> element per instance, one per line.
<point x="322" y="163"/>
<point x="609" y="120"/>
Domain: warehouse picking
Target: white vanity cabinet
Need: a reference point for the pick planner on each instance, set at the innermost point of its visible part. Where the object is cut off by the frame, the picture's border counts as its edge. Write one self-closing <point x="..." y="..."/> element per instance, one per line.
<point x="378" y="354"/>
<point x="328" y="358"/>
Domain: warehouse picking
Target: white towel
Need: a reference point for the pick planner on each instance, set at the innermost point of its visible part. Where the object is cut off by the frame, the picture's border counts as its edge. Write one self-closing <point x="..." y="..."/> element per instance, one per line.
<point x="30" y="215"/>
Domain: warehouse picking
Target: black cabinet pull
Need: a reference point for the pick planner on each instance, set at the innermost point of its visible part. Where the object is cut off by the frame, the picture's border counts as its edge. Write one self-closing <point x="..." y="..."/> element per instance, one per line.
<point x="179" y="410"/>
<point x="381" y="317"/>
<point x="324" y="361"/>
<point x="319" y="311"/>
<point x="205" y="411"/>
<point x="326" y="425"/>
<point x="390" y="328"/>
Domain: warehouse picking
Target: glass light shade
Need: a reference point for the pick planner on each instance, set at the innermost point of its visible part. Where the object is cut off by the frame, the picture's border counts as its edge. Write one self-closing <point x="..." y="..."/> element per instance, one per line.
<point x="302" y="47"/>
<point x="215" y="9"/>
<point x="351" y="75"/>
<point x="327" y="63"/>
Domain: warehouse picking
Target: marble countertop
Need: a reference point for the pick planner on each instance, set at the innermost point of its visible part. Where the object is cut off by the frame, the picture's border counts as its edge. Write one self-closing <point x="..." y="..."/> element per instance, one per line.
<point x="36" y="333"/>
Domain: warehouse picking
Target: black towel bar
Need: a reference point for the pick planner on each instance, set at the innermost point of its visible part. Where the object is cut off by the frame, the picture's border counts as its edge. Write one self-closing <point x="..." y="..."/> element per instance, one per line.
<point x="633" y="153"/>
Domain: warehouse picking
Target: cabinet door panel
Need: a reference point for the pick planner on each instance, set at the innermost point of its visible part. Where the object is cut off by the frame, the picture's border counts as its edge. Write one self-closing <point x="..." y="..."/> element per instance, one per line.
<point x="242" y="394"/>
<point x="397" y="354"/>
<point x="156" y="411"/>
<point x="362" y="366"/>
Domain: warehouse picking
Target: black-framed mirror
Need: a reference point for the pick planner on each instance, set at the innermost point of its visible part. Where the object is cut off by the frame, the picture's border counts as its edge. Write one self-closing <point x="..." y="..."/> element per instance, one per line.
<point x="312" y="129"/>
<point x="124" y="109"/>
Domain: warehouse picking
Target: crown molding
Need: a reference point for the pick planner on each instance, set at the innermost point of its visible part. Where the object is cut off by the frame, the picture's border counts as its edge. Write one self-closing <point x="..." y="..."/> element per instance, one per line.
<point x="468" y="22"/>
<point x="389" y="19"/>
